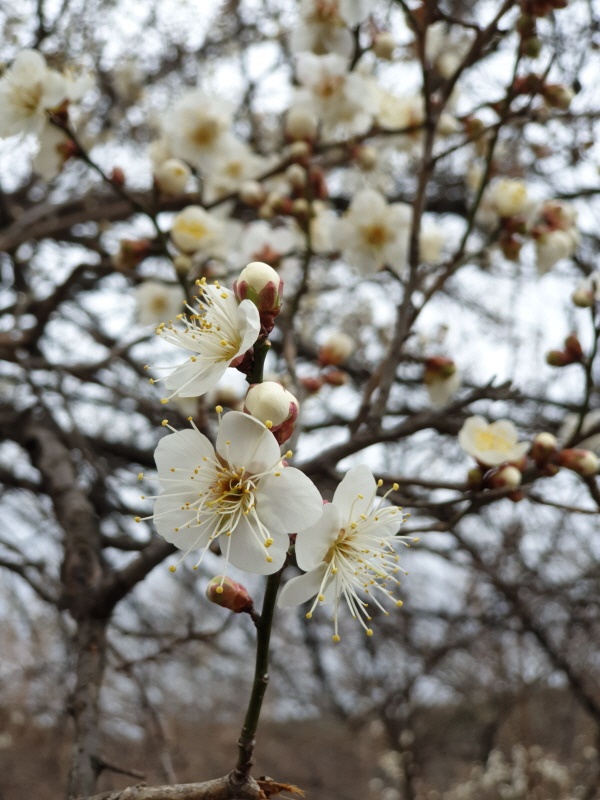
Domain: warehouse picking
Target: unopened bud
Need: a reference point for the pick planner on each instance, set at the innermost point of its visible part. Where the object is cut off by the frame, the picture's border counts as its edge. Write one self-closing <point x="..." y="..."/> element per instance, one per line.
<point x="299" y="151"/>
<point x="584" y="297"/>
<point x="274" y="406"/>
<point x="312" y="384"/>
<point x="296" y="175"/>
<point x="573" y="347"/>
<point x="438" y="368"/>
<point x="252" y="193"/>
<point x="182" y="264"/>
<point x="172" y="176"/>
<point x="131" y="253"/>
<point x="336" y="377"/>
<point x="300" y="207"/>
<point x="558" y="358"/>
<point x="260" y="283"/>
<point x="384" y="45"/>
<point x="301" y="123"/>
<point x="367" y="157"/>
<point x="583" y="462"/>
<point x="544" y="446"/>
<point x="117" y="176"/>
<point x="557" y="95"/>
<point x="336" y="350"/>
<point x="224" y="592"/>
<point x="507" y="477"/>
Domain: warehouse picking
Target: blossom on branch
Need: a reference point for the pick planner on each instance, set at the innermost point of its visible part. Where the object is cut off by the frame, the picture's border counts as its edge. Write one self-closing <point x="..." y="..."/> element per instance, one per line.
<point x="238" y="492"/>
<point x="348" y="553"/>
<point x="491" y="443"/>
<point x="219" y="335"/>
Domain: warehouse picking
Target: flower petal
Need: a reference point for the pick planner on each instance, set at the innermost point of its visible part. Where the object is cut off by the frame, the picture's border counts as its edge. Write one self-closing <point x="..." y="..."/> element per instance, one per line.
<point x="298" y="590"/>
<point x="192" y="379"/>
<point x="355" y="493"/>
<point x="287" y="501"/>
<point x="245" y="442"/>
<point x="313" y="543"/>
<point x="176" y="524"/>
<point x="246" y="552"/>
<point x="249" y="324"/>
<point x="183" y="450"/>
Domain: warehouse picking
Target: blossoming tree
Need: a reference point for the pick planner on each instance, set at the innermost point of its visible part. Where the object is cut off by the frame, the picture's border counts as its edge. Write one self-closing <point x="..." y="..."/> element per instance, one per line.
<point x="366" y="229"/>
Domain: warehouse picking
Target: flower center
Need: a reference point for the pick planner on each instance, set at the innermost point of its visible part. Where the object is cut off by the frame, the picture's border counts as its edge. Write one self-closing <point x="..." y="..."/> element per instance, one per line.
<point x="329" y="86"/>
<point x="487" y="440"/>
<point x="376" y="235"/>
<point x="205" y="133"/>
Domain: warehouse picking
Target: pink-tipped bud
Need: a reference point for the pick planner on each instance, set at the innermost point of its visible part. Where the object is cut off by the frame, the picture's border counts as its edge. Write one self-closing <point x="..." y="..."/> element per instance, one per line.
<point x="507" y="477"/>
<point x="543" y="448"/>
<point x="438" y="368"/>
<point x="336" y="377"/>
<point x="573" y="347"/>
<point x="336" y="350"/>
<point x="224" y="592"/>
<point x="558" y="358"/>
<point x="583" y="462"/>
<point x="584" y="297"/>
<point x="274" y="406"/>
<point x="312" y="384"/>
<point x="260" y="283"/>
<point x="131" y="253"/>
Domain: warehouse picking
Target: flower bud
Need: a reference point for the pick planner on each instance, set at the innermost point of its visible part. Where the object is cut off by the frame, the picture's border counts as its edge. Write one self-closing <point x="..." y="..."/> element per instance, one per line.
<point x="224" y="592"/>
<point x="584" y="296"/>
<point x="131" y="253"/>
<point x="182" y="264"/>
<point x="442" y="379"/>
<point x="384" y="45"/>
<point x="557" y="95"/>
<point x="274" y="406"/>
<point x="252" y="193"/>
<point x="336" y="377"/>
<point x="296" y="175"/>
<point x="311" y="383"/>
<point x="544" y="446"/>
<point x="337" y="349"/>
<point x="507" y="477"/>
<point x="260" y="283"/>
<point x="172" y="176"/>
<point x="558" y="358"/>
<point x="367" y="157"/>
<point x="301" y="123"/>
<point x="117" y="176"/>
<point x="583" y="462"/>
<point x="573" y="347"/>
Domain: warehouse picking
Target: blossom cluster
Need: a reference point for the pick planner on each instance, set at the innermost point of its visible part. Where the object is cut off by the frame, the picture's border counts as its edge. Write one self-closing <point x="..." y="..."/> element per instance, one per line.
<point x="241" y="494"/>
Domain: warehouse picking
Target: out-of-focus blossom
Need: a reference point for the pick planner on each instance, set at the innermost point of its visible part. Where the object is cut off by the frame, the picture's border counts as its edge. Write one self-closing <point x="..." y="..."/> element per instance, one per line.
<point x="491" y="443"/>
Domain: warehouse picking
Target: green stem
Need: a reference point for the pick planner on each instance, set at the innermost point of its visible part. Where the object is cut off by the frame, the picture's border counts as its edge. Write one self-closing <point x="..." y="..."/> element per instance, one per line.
<point x="261" y="348"/>
<point x="264" y="625"/>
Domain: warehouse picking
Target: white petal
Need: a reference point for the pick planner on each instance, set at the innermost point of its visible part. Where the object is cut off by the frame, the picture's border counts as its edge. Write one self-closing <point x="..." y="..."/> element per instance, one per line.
<point x="313" y="543"/>
<point x="182" y="450"/>
<point x="245" y="442"/>
<point x="298" y="590"/>
<point x="288" y="501"/>
<point x="175" y="524"/>
<point x="358" y="481"/>
<point x="192" y="379"/>
<point x="246" y="552"/>
<point x="249" y="324"/>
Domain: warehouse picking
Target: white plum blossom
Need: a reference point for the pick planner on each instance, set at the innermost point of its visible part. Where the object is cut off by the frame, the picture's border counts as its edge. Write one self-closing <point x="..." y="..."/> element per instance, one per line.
<point x="491" y="443"/>
<point x="344" y="101"/>
<point x="260" y="241"/>
<point x="445" y="50"/>
<point x="53" y="152"/>
<point x="321" y="29"/>
<point x="28" y="89"/>
<point x="348" y="554"/>
<point x="238" y="492"/>
<point x="373" y="234"/>
<point x="234" y="164"/>
<point x="218" y="334"/>
<point x="508" y="197"/>
<point x="157" y="301"/>
<point x="195" y="230"/>
<point x="198" y="127"/>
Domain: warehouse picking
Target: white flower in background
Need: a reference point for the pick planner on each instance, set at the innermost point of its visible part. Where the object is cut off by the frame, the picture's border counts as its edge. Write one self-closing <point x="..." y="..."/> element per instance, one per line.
<point x="198" y="127"/>
<point x="373" y="234"/>
<point x="431" y="239"/>
<point x="321" y="30"/>
<point x="218" y="334"/>
<point x="348" y="554"/>
<point x="344" y="101"/>
<point x="301" y="122"/>
<point x="491" y="443"/>
<point x="396" y="113"/>
<point x="552" y="246"/>
<point x="54" y="151"/>
<point x="195" y="230"/>
<point x="262" y="242"/>
<point x="128" y="78"/>
<point x="157" y="301"/>
<point x="230" y="168"/>
<point x="238" y="492"/>
<point x="323" y="226"/>
<point x="508" y="197"/>
<point x="336" y="349"/>
<point x="444" y="50"/>
<point x="27" y="90"/>
<point x="172" y="176"/>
